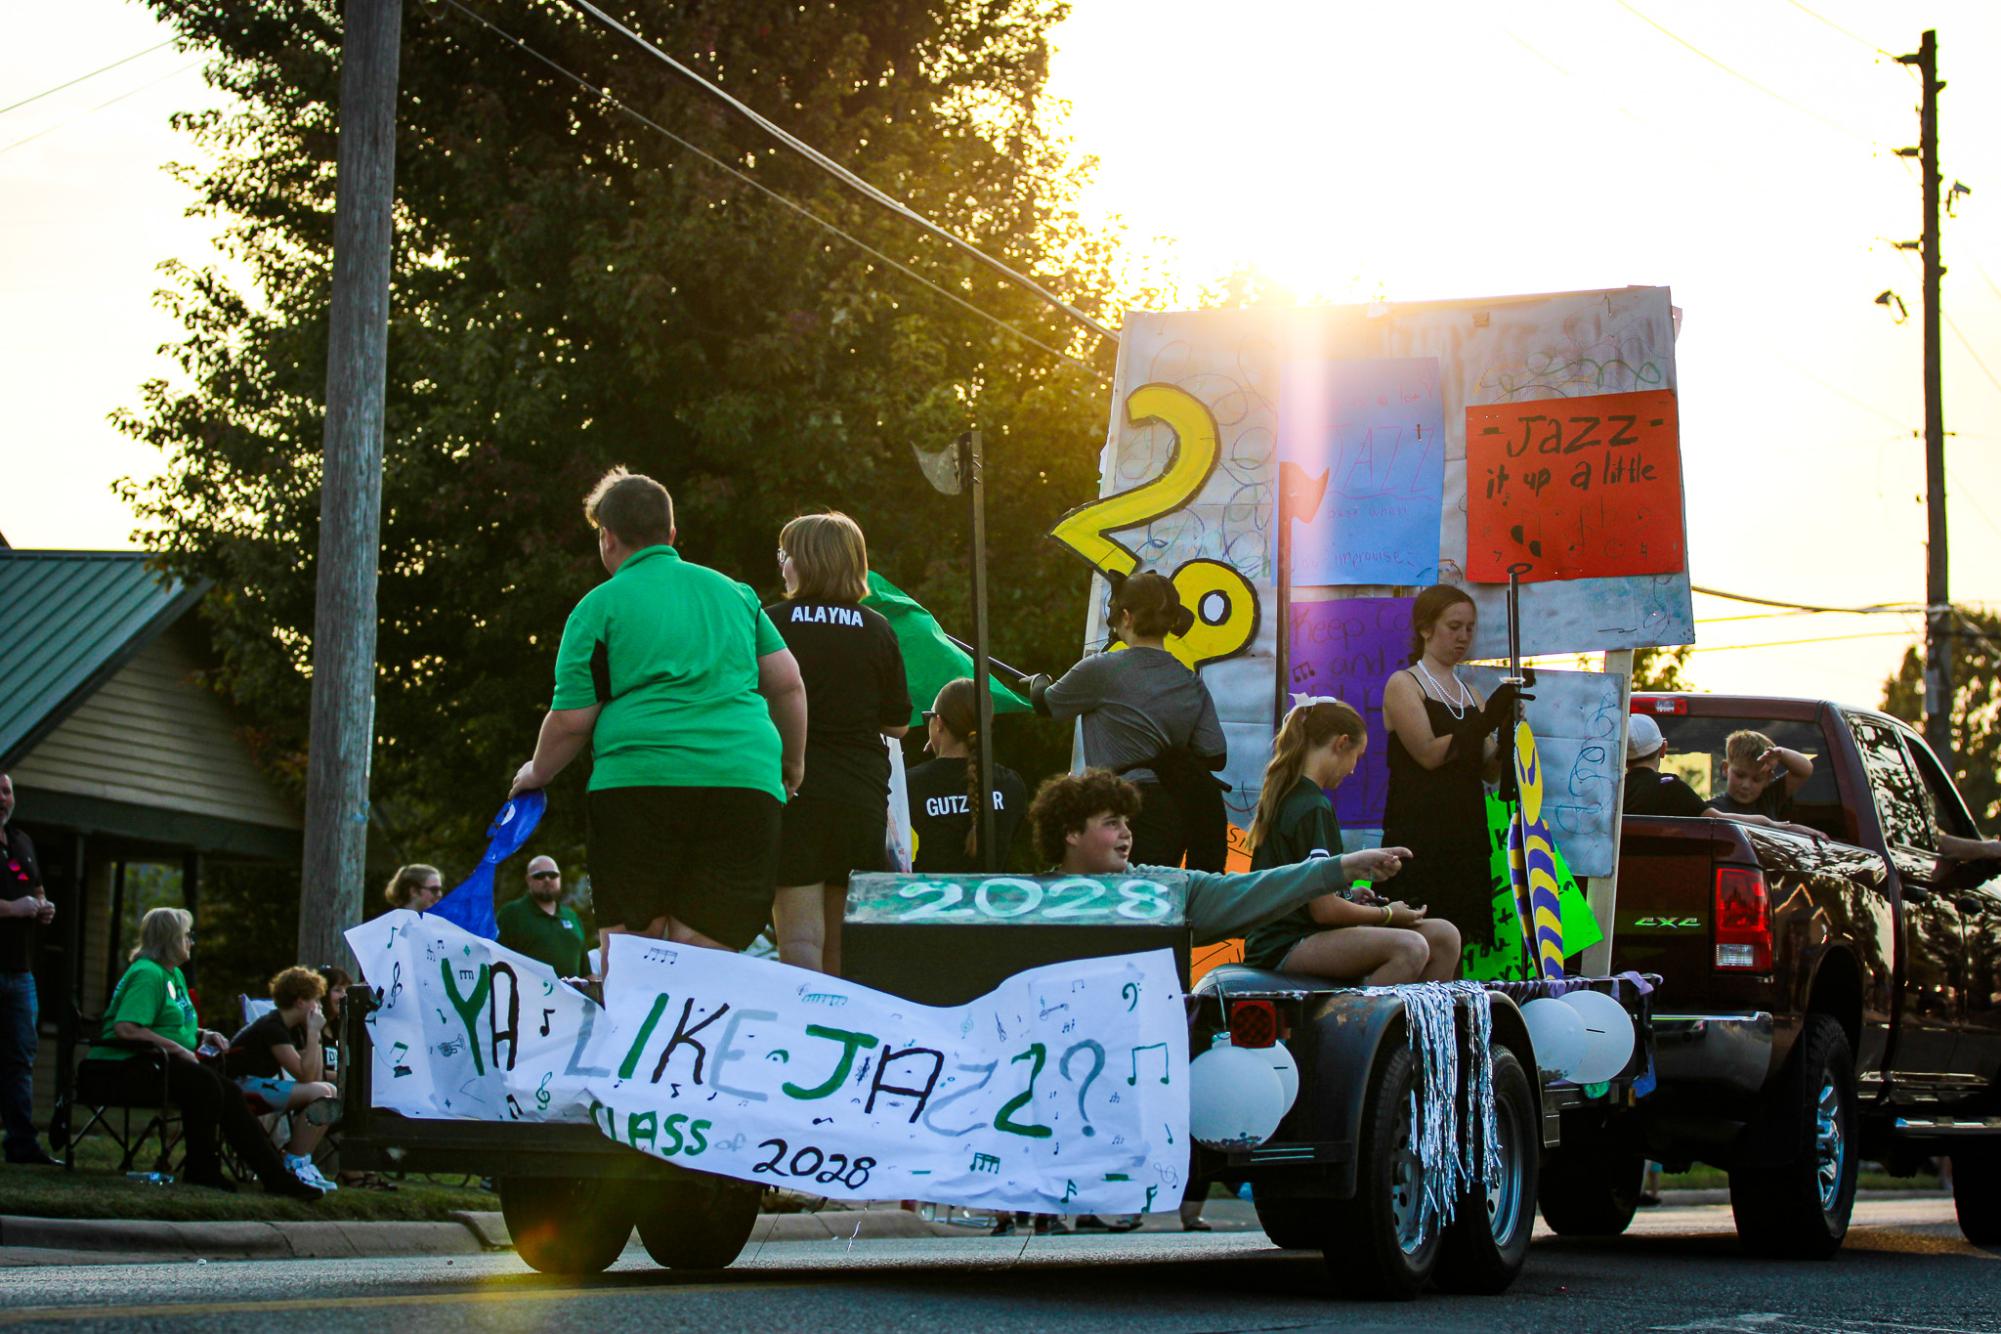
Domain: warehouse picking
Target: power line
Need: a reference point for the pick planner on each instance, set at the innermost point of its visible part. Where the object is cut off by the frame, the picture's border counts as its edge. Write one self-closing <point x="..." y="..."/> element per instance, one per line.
<point x="101" y="69"/>
<point x="65" y="124"/>
<point x="1874" y="609"/>
<point x="773" y="195"/>
<point x="1823" y="639"/>
<point x="1967" y="343"/>
<point x="1845" y="32"/>
<point x="845" y="176"/>
<point x="1744" y="78"/>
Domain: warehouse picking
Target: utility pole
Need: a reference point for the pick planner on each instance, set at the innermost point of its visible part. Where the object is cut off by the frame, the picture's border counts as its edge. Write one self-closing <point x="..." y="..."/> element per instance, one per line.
<point x="1938" y="601"/>
<point x="972" y="466"/>
<point x="343" y="705"/>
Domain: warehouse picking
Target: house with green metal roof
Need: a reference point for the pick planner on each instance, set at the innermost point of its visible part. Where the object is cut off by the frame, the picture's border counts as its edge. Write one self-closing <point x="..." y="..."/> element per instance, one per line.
<point x="121" y="757"/>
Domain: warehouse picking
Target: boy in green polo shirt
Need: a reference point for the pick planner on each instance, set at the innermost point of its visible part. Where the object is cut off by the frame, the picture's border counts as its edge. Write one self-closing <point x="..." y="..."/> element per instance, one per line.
<point x="696" y="719"/>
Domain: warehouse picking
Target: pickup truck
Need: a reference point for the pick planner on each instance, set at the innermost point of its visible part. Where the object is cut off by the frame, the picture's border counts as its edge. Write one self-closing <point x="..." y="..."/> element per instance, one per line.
<point x="1825" y="999"/>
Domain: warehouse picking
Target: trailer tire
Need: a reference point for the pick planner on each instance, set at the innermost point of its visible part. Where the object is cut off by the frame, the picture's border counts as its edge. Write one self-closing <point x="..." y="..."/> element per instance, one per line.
<point x="1590" y="1187"/>
<point x="566" y="1225"/>
<point x="1383" y="1244"/>
<point x="699" y="1226"/>
<point x="1487" y="1241"/>
<point x="1292" y="1224"/>
<point x="1799" y="1210"/>
<point x="1976" y="1191"/>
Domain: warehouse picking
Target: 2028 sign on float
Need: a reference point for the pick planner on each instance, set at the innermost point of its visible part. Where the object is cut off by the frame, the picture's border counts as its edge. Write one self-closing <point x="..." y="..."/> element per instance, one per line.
<point x="1075" y="901"/>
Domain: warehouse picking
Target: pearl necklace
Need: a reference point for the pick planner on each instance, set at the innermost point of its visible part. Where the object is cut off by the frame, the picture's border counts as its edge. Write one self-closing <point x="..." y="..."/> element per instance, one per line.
<point x="1465" y="695"/>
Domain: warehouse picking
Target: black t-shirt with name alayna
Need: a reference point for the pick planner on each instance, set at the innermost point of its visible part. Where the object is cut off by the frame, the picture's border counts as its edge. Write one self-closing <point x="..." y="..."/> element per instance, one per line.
<point x="20" y="875"/>
<point x="1650" y="792"/>
<point x="941" y="814"/>
<point x="250" y="1050"/>
<point x="854" y="688"/>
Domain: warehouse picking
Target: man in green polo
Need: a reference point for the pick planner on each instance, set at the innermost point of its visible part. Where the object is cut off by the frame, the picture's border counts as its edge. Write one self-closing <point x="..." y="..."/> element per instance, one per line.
<point x="540" y="925"/>
<point x="695" y="716"/>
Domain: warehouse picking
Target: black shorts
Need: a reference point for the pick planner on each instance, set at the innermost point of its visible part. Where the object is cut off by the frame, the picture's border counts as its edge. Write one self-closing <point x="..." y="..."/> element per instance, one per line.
<point x="824" y="841"/>
<point x="701" y="855"/>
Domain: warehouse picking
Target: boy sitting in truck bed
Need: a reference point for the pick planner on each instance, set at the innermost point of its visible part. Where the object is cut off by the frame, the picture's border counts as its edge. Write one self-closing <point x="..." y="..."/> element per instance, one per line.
<point x="1759" y="777"/>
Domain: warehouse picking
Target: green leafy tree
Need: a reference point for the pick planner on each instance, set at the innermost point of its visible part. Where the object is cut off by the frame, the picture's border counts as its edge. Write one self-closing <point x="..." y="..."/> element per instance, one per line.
<point x="573" y="290"/>
<point x="1976" y="710"/>
<point x="1662" y="669"/>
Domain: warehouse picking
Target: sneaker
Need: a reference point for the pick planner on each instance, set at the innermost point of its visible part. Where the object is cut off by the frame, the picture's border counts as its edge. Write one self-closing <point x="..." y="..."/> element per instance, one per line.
<point x="212" y="1180"/>
<point x="32" y="1156"/>
<point x="312" y="1176"/>
<point x="1004" y="1228"/>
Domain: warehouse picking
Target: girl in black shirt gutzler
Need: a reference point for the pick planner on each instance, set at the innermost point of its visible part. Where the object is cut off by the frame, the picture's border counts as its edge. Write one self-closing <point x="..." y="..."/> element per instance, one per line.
<point x="856" y="695"/>
<point x="943" y="790"/>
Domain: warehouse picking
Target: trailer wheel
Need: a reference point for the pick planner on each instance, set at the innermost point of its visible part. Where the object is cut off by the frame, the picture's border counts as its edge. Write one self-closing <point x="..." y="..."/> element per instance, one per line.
<point x="700" y="1226"/>
<point x="1292" y="1224"/>
<point x="1590" y="1186"/>
<point x="1799" y="1210"/>
<point x="566" y="1225"/>
<point x="1488" y="1239"/>
<point x="1383" y="1243"/>
<point x="1976" y="1191"/>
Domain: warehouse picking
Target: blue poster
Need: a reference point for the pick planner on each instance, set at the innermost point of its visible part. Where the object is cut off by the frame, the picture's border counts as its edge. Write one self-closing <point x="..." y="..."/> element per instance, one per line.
<point x="1364" y="443"/>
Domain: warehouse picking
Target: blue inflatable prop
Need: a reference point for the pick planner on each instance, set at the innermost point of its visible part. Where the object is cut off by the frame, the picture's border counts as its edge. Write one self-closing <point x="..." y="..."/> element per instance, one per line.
<point x="471" y="904"/>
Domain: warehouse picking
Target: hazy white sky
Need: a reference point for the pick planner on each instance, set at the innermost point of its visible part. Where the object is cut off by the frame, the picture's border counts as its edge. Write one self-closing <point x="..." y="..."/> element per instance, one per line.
<point x="1350" y="151"/>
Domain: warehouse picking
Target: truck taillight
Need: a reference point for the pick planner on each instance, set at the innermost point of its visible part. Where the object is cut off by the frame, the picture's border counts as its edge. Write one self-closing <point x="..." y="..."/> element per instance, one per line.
<point x="1743" y="920"/>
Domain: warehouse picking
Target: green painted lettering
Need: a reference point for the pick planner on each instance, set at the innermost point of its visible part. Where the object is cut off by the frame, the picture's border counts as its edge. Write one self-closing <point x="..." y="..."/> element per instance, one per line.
<point x="672" y="1126"/>
<point x="1005" y="1119"/>
<point x="468" y="1008"/>
<point x="850" y="1044"/>
<point x="695" y="1130"/>
<point x="631" y="1061"/>
<point x="642" y="1129"/>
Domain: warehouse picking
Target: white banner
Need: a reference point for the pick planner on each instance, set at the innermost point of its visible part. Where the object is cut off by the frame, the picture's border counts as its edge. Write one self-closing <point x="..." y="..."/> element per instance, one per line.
<point x="469" y="1029"/>
<point x="1063" y="1090"/>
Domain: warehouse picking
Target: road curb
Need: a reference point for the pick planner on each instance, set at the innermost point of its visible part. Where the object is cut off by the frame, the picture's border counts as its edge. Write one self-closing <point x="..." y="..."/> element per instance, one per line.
<point x="26" y="1240"/>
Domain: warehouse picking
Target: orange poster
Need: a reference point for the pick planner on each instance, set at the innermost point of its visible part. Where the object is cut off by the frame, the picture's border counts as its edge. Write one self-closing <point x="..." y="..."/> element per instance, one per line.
<point x="1574" y="488"/>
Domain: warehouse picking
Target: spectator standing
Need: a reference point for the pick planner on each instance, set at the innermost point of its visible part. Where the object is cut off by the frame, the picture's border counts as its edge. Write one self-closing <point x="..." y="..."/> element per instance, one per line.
<point x="417" y="887"/>
<point x="696" y="721"/>
<point x="943" y="790"/>
<point x="856" y="695"/>
<point x="1760" y="777"/>
<point x="1150" y="720"/>
<point x="151" y="1007"/>
<point x="540" y="925"/>
<point x="24" y="910"/>
<point x="278" y="1059"/>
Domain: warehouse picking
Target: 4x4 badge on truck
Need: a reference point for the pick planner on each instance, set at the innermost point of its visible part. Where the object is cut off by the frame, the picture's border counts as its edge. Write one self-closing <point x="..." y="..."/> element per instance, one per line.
<point x="1670" y="923"/>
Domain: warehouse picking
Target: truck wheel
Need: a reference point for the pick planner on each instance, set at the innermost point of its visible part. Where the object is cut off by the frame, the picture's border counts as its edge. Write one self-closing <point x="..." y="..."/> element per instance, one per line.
<point x="1293" y="1224"/>
<point x="1976" y="1192"/>
<point x="1590" y="1186"/>
<point x="1799" y="1210"/>
<point x="699" y="1227"/>
<point x="1488" y="1239"/>
<point x="1383" y="1243"/>
<point x="566" y="1225"/>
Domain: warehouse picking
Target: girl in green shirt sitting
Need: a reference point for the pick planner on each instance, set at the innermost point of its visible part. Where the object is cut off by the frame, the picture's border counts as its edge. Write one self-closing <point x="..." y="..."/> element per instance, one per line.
<point x="1352" y="935"/>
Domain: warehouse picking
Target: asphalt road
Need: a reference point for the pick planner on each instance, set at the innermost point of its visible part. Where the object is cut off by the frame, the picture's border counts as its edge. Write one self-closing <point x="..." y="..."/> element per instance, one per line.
<point x="1905" y="1271"/>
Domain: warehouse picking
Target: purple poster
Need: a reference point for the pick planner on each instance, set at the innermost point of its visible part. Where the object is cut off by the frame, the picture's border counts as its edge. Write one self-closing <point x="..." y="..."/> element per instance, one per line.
<point x="1348" y="648"/>
<point x="1362" y="444"/>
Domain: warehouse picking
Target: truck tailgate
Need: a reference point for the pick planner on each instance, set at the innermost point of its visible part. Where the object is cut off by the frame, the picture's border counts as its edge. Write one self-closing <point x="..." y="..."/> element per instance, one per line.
<point x="1667" y="875"/>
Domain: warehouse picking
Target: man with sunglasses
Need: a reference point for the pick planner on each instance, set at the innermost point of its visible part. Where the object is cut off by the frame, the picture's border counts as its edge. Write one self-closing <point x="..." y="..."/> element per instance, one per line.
<point x="540" y="925"/>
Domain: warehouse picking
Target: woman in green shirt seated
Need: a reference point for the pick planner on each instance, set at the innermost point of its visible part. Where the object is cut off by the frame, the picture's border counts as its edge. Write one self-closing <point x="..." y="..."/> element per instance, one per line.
<point x="150" y="1021"/>
<point x="1352" y="934"/>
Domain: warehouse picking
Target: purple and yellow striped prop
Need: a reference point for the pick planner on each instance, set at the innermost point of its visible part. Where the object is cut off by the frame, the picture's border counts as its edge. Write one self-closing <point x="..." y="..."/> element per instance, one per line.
<point x="1532" y="862"/>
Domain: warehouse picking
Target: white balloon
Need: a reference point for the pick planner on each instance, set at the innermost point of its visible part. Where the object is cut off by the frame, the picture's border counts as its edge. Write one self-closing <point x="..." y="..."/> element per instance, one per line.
<point x="1235" y="1098"/>
<point x="1608" y="1035"/>
<point x="1558" y="1034"/>
<point x="1288" y="1071"/>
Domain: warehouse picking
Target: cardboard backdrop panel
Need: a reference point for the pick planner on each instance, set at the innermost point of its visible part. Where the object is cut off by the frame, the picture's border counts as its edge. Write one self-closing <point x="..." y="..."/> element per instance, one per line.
<point x="1348" y="648"/>
<point x="1188" y="478"/>
<point x="1578" y="726"/>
